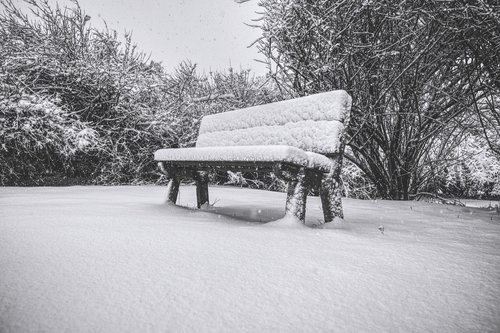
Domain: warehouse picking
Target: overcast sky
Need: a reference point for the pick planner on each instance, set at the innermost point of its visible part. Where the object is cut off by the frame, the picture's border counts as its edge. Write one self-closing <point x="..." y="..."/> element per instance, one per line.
<point x="210" y="33"/>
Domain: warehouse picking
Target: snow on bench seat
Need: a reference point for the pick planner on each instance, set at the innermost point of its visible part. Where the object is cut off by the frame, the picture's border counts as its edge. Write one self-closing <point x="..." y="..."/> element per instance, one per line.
<point x="249" y="154"/>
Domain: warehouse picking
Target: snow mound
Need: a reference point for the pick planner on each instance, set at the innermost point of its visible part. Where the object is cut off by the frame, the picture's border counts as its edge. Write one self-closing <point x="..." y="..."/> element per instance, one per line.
<point x="337" y="223"/>
<point x="287" y="221"/>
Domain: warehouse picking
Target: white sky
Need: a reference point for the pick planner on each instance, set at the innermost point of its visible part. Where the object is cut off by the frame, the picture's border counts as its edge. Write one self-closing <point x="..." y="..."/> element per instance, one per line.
<point x="210" y="33"/>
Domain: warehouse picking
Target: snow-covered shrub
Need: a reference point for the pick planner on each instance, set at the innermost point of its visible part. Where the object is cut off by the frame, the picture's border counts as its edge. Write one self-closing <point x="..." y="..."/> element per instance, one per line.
<point x="355" y="183"/>
<point x="39" y="137"/>
<point x="129" y="105"/>
<point x="266" y="181"/>
<point x="468" y="169"/>
<point x="192" y="96"/>
<point x="95" y="79"/>
<point x="477" y="174"/>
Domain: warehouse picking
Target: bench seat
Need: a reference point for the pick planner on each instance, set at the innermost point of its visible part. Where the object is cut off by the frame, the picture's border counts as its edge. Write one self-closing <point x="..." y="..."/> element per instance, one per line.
<point x="245" y="155"/>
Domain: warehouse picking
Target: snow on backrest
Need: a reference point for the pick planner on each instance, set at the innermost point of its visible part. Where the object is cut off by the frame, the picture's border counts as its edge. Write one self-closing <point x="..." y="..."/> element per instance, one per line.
<point x="312" y="123"/>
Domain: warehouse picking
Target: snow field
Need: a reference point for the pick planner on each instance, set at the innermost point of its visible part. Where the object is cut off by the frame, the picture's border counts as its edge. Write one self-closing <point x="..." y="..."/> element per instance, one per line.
<point x="108" y="259"/>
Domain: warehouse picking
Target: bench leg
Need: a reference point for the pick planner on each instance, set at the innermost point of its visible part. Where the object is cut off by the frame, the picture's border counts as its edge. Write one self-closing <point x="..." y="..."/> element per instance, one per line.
<point x="173" y="189"/>
<point x="297" y="196"/>
<point x="330" y="193"/>
<point x="173" y="181"/>
<point x="201" y="178"/>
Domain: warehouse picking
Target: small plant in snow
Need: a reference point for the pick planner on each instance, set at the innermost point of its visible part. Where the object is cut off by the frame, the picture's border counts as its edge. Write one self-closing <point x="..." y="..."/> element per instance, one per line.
<point x="381" y="229"/>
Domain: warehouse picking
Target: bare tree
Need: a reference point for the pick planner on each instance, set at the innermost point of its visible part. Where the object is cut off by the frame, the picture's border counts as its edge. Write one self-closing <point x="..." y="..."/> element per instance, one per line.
<point x="400" y="65"/>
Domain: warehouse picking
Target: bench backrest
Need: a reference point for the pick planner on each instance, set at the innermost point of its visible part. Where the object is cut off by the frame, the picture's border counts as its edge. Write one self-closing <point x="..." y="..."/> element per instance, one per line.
<point x="313" y="123"/>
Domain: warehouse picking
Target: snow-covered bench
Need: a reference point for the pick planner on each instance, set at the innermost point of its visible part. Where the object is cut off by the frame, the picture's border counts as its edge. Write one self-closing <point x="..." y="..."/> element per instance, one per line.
<point x="300" y="140"/>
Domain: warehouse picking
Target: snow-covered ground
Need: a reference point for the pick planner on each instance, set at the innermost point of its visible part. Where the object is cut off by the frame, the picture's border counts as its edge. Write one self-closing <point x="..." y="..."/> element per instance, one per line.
<point x="116" y="259"/>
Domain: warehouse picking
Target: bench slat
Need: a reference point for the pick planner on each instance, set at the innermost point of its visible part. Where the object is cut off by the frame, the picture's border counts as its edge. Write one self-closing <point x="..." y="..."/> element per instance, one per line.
<point x="333" y="105"/>
<point x="312" y="123"/>
<point x="316" y="136"/>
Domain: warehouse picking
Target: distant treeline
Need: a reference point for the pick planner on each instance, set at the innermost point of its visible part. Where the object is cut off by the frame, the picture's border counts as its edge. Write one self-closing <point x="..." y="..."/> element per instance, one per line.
<point x="80" y="105"/>
<point x="77" y="104"/>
